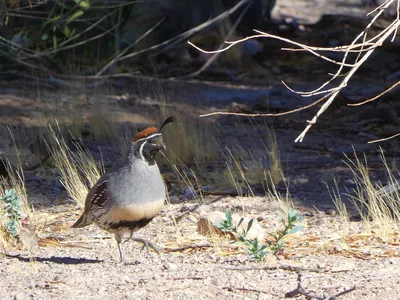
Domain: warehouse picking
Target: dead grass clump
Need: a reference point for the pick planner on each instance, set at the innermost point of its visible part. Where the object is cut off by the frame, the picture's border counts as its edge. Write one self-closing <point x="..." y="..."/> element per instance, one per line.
<point x="192" y="142"/>
<point x="248" y="166"/>
<point x="378" y="206"/>
<point x="77" y="169"/>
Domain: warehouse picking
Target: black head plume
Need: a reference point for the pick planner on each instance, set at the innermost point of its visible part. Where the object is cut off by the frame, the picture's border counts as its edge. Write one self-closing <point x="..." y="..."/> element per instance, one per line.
<point x="168" y="120"/>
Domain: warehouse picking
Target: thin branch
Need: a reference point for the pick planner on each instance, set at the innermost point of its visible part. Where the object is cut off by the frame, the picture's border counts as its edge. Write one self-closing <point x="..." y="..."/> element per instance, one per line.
<point x="269" y="114"/>
<point x="364" y="50"/>
<point x="266" y="35"/>
<point x="215" y="55"/>
<point x="113" y="61"/>
<point x="376" y="97"/>
<point x="300" y="291"/>
<point x="186" y="35"/>
<point x="82" y="42"/>
<point x="384" y="139"/>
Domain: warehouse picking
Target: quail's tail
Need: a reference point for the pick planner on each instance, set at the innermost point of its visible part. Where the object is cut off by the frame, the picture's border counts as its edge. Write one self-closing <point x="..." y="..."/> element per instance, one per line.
<point x="83" y="221"/>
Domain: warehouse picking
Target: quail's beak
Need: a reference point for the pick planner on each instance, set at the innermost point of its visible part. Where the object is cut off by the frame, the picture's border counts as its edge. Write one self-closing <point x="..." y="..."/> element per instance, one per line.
<point x="161" y="145"/>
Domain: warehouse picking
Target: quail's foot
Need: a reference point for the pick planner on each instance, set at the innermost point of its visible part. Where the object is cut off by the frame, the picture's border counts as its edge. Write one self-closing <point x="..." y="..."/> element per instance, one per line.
<point x="147" y="244"/>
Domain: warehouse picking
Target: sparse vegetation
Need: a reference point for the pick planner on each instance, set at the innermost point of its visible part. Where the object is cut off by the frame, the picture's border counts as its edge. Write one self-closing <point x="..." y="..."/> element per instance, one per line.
<point x="290" y="222"/>
<point x="256" y="249"/>
<point x="246" y="167"/>
<point x="377" y="205"/>
<point x="77" y="169"/>
<point x="11" y="212"/>
<point x="14" y="206"/>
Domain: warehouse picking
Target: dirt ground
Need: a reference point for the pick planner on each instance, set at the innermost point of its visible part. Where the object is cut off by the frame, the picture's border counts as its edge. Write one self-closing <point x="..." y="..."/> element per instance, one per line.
<point x="330" y="253"/>
<point x="87" y="266"/>
<point x="83" y="264"/>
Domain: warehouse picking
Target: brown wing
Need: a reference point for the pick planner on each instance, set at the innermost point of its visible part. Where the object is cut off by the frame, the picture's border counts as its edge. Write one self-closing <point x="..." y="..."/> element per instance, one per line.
<point x="95" y="199"/>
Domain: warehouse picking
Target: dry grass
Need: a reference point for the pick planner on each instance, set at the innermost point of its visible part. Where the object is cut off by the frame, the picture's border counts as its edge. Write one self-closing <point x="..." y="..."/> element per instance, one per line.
<point x="340" y="205"/>
<point x="284" y="202"/>
<point x="189" y="141"/>
<point x="77" y="169"/>
<point x="248" y="166"/>
<point x="378" y="206"/>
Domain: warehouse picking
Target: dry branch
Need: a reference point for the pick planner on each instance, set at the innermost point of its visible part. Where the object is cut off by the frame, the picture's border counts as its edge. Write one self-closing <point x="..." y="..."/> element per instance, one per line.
<point x="300" y="291"/>
<point x="361" y="45"/>
<point x="376" y="97"/>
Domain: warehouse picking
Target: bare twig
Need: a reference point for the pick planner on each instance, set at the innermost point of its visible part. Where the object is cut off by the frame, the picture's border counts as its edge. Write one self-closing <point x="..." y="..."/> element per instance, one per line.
<point x="300" y="291"/>
<point x="245" y="289"/>
<point x="364" y="49"/>
<point x="376" y="97"/>
<point x="186" y="35"/>
<point x="112" y="62"/>
<point x="215" y="56"/>
<point x="384" y="139"/>
<point x="266" y="35"/>
<point x="201" y="246"/>
<point x="269" y="114"/>
<point x="280" y="266"/>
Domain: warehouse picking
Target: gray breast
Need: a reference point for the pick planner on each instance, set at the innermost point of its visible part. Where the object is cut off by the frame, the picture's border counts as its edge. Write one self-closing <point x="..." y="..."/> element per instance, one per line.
<point x="138" y="184"/>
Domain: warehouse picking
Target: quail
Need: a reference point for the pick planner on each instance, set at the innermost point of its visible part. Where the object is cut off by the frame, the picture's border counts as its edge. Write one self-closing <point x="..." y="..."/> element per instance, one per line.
<point x="131" y="194"/>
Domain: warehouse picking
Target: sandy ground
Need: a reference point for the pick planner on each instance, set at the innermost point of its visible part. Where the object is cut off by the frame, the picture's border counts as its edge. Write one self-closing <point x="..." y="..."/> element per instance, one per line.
<point x="332" y="255"/>
<point x="83" y="264"/>
<point x="87" y="266"/>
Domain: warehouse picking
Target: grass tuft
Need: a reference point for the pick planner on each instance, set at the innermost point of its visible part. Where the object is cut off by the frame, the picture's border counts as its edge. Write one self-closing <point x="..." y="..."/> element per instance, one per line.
<point x="377" y="205"/>
<point x="77" y="169"/>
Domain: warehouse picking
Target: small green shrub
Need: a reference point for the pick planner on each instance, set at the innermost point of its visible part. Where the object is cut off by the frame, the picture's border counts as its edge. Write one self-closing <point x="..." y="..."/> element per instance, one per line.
<point x="290" y="222"/>
<point x="12" y="209"/>
<point x="257" y="250"/>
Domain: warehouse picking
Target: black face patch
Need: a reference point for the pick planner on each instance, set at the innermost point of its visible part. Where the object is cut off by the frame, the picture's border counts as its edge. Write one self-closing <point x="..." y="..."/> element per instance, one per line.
<point x="129" y="224"/>
<point x="146" y="150"/>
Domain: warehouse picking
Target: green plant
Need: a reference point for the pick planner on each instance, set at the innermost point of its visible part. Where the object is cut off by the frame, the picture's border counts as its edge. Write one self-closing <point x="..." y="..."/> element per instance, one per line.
<point x="226" y="224"/>
<point x="257" y="250"/>
<point x="13" y="211"/>
<point x="290" y="222"/>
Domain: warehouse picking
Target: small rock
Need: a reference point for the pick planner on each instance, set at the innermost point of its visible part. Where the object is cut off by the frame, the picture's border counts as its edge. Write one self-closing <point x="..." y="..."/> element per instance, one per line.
<point x="263" y="216"/>
<point x="174" y="199"/>
<point x="330" y="212"/>
<point x="28" y="237"/>
<point x="308" y="214"/>
<point x="189" y="194"/>
<point x="301" y="180"/>
<point x="169" y="266"/>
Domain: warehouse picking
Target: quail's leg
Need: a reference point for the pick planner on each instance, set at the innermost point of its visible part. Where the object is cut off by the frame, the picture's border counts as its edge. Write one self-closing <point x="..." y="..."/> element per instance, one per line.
<point x="118" y="239"/>
<point x="146" y="243"/>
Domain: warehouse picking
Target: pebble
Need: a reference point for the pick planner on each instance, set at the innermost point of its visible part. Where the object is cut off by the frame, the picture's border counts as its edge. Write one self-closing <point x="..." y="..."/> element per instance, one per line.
<point x="331" y="212"/>
<point x="174" y="199"/>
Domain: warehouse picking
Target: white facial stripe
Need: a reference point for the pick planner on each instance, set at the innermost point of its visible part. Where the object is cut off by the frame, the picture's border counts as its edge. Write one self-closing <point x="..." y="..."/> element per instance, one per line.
<point x="141" y="150"/>
<point x="149" y="137"/>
